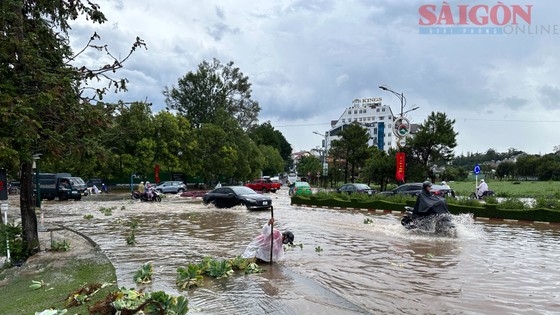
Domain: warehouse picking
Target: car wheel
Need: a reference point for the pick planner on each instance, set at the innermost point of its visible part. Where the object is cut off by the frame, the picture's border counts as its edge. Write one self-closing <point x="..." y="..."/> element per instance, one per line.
<point x="264" y="190"/>
<point x="160" y="191"/>
<point x="180" y="191"/>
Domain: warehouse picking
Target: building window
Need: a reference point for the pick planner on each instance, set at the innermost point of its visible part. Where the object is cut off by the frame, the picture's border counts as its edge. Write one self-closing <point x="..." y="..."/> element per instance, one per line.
<point x="355" y="119"/>
<point x="355" y="111"/>
<point x="378" y="110"/>
<point x="383" y="110"/>
<point x="342" y="120"/>
<point x="349" y="112"/>
<point x="388" y="144"/>
<point x="381" y="118"/>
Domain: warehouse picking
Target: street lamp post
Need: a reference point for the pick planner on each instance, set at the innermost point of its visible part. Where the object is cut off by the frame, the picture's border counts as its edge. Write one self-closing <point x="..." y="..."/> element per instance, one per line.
<point x="325" y="152"/>
<point x="401" y="128"/>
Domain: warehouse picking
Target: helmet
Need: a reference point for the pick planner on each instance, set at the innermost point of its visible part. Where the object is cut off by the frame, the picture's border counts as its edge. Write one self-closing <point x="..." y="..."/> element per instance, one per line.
<point x="288" y="237"/>
<point x="141" y="182"/>
<point x="443" y="183"/>
<point x="426" y="184"/>
<point x="482" y="180"/>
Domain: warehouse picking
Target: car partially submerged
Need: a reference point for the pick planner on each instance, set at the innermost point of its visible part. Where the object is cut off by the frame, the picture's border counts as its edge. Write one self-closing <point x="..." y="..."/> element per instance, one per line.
<point x="231" y="196"/>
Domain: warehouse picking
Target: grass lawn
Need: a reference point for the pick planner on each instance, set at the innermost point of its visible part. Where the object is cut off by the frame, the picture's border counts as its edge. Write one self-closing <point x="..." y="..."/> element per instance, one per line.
<point x="518" y="189"/>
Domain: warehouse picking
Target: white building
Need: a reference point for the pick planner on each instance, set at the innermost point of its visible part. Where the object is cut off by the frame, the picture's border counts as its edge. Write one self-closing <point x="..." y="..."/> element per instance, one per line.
<point x="372" y="115"/>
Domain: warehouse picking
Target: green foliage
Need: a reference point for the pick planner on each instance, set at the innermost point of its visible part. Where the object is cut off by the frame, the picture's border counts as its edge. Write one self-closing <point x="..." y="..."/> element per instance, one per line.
<point x="60" y="246"/>
<point x="352" y="147"/>
<point x="219" y="268"/>
<point x="309" y="164"/>
<point x="434" y="141"/>
<point x="144" y="274"/>
<point x="107" y="211"/>
<point x="88" y="216"/>
<point x="189" y="277"/>
<point x="36" y="285"/>
<point x="12" y="233"/>
<point x="265" y="134"/>
<point x="213" y="90"/>
<point x="131" y="238"/>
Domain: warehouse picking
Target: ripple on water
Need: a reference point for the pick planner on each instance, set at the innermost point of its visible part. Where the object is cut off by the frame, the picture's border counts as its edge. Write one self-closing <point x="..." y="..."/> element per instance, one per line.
<point x="344" y="267"/>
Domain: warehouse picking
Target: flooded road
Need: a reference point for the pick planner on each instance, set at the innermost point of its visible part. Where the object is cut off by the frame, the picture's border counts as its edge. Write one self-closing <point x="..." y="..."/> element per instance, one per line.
<point x="344" y="267"/>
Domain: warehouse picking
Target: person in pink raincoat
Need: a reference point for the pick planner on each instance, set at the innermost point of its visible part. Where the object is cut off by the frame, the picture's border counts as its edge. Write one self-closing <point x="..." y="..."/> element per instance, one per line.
<point x="259" y="248"/>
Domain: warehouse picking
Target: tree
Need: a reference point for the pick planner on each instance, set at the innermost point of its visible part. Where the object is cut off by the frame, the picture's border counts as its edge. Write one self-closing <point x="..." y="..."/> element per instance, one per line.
<point x="505" y="170"/>
<point x="265" y="134"/>
<point x="42" y="108"/>
<point x="434" y="141"/>
<point x="353" y="144"/>
<point x="379" y="167"/>
<point x="309" y="165"/>
<point x="273" y="162"/>
<point x="213" y="89"/>
<point x="527" y="165"/>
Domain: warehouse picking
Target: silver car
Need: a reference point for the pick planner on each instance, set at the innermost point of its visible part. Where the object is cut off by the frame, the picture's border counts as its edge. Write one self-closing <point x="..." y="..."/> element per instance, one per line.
<point x="171" y="187"/>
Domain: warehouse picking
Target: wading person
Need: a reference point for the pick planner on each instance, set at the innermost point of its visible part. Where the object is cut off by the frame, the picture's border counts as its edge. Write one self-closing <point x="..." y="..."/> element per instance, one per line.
<point x="259" y="248"/>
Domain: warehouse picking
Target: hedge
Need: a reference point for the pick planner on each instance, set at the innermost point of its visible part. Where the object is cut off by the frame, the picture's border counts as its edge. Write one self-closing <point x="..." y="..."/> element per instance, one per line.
<point x="487" y="211"/>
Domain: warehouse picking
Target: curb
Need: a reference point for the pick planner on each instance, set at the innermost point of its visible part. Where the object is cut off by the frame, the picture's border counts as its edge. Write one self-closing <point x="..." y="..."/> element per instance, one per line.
<point x="402" y="212"/>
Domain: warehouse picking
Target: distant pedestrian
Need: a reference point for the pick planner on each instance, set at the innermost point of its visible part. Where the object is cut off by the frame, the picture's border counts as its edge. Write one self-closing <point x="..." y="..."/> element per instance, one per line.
<point x="104" y="188"/>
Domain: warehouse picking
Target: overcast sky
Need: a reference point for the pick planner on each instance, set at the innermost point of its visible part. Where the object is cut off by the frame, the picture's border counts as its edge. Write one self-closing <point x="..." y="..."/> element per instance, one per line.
<point x="308" y="59"/>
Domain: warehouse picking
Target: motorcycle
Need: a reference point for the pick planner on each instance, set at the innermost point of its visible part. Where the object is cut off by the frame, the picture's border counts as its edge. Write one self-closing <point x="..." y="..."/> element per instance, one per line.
<point x="136" y="195"/>
<point x="438" y="224"/>
<point x="487" y="193"/>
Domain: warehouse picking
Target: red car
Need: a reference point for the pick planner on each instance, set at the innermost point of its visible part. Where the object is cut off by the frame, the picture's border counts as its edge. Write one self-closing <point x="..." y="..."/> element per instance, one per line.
<point x="263" y="185"/>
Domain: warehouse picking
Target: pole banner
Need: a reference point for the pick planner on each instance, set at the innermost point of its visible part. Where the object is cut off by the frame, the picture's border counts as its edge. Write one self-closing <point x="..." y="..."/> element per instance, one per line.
<point x="400" y="167"/>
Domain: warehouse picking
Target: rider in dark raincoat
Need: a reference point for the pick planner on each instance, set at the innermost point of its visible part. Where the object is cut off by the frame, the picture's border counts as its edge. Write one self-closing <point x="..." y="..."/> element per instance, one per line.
<point x="428" y="204"/>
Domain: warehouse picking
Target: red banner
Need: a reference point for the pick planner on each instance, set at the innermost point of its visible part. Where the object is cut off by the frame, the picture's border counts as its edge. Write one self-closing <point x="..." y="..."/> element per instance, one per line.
<point x="156" y="171"/>
<point x="400" y="167"/>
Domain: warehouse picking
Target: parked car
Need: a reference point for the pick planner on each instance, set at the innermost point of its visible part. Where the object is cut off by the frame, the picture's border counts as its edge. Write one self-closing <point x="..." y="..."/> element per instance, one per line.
<point x="356" y="188"/>
<point x="411" y="189"/>
<point x="414" y="189"/>
<point x="171" y="187"/>
<point x="300" y="189"/>
<point x="231" y="196"/>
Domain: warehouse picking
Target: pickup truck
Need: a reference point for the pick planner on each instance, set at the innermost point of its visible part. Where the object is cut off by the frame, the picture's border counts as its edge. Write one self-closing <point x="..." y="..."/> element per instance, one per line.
<point x="263" y="185"/>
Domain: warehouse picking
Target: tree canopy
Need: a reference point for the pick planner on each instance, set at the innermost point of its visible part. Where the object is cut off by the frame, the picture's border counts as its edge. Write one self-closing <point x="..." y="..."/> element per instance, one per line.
<point x="213" y="90"/>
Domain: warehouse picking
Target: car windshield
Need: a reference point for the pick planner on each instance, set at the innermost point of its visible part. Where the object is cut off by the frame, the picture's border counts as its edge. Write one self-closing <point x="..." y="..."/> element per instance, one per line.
<point x="241" y="190"/>
<point x="438" y="187"/>
<point x="302" y="184"/>
<point x="362" y="186"/>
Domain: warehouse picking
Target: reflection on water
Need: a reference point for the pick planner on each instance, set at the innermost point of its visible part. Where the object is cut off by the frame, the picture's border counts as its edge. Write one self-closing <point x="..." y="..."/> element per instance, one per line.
<point x="377" y="268"/>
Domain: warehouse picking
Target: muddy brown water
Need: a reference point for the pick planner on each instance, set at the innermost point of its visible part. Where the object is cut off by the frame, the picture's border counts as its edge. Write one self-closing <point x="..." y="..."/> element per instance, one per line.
<point x="377" y="268"/>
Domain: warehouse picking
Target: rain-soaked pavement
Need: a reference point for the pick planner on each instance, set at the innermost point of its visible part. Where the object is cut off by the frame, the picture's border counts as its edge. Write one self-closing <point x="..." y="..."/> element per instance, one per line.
<point x="377" y="268"/>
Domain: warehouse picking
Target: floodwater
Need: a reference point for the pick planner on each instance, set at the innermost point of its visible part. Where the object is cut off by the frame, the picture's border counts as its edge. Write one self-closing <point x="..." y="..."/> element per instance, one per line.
<point x="344" y="267"/>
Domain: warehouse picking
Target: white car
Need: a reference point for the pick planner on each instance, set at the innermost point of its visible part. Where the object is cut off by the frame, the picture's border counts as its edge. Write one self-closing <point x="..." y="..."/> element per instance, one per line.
<point x="171" y="187"/>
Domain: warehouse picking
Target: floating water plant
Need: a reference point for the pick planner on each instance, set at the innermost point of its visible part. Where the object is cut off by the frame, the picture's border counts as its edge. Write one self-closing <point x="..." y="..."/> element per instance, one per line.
<point x="60" y="246"/>
<point x="318" y="249"/>
<point x="368" y="221"/>
<point x="144" y="275"/>
<point x="88" y="216"/>
<point x="107" y="211"/>
<point x="219" y="269"/>
<point x="253" y="268"/>
<point x="189" y="277"/>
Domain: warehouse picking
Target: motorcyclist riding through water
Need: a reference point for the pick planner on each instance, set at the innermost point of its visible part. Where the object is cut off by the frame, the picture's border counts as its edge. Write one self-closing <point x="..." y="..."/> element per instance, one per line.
<point x="430" y="213"/>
